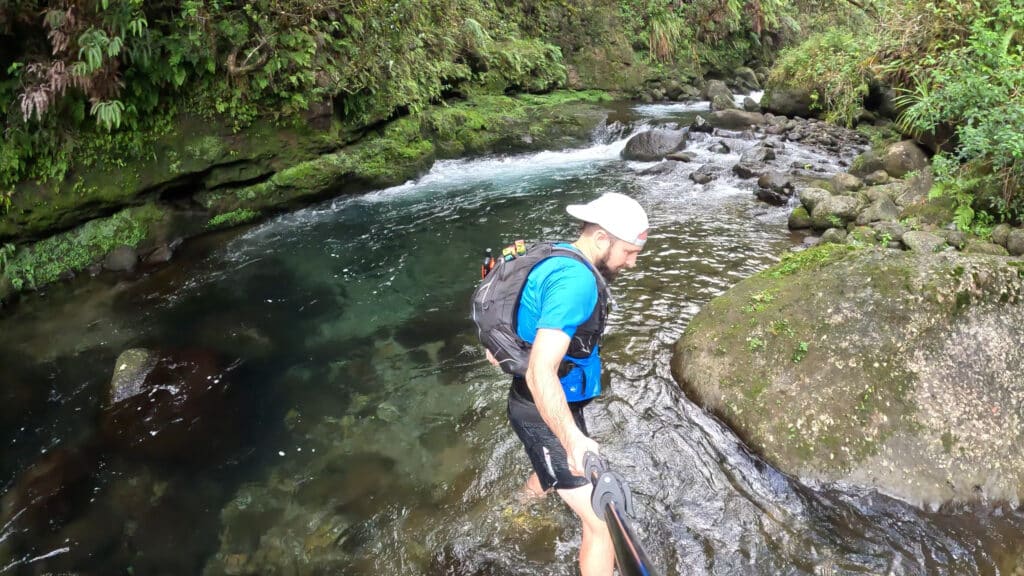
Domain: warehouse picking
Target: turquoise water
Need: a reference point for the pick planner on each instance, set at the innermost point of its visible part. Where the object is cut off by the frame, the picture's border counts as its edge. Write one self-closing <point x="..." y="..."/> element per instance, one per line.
<point x="374" y="438"/>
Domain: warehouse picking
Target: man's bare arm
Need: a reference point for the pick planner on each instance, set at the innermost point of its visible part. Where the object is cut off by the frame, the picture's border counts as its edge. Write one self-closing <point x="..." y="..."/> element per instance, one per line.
<point x="549" y="348"/>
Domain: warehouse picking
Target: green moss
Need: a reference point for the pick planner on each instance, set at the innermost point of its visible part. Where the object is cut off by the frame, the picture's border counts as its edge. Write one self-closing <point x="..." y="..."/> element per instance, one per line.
<point x="45" y="261"/>
<point x="814" y="257"/>
<point x="948" y="441"/>
<point x="231" y="219"/>
<point x="207" y="148"/>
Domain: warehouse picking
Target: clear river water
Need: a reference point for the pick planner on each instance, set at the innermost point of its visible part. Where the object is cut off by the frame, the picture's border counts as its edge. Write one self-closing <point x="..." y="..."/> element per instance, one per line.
<point x="374" y="434"/>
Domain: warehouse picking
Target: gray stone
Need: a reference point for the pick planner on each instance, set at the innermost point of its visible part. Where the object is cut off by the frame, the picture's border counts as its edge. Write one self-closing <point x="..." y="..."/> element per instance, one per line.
<point x="700" y="124"/>
<point x="758" y="153"/>
<point x="903" y="158"/>
<point x="834" y="211"/>
<point x="720" y="103"/>
<point x="982" y="247"/>
<point x="715" y="88"/>
<point x="130" y="372"/>
<point x="877" y="177"/>
<point x="834" y="236"/>
<point x="653" y="145"/>
<point x="881" y="209"/>
<point x="705" y="173"/>
<point x="160" y="255"/>
<point x="786" y="101"/>
<point x="894" y="230"/>
<point x="681" y="156"/>
<point x="775" y="198"/>
<point x="749" y="169"/>
<point x="121" y="259"/>
<point x="843" y="183"/>
<point x="751" y="105"/>
<point x="920" y="241"/>
<point x="1000" y="234"/>
<point x="954" y="238"/>
<point x="1015" y="242"/>
<point x="720" y="148"/>
<point x="862" y="234"/>
<point x="776" y="182"/>
<point x="799" y="219"/>
<point x="868" y="162"/>
<point x="811" y="197"/>
<point x="735" y="119"/>
<point x="747" y="78"/>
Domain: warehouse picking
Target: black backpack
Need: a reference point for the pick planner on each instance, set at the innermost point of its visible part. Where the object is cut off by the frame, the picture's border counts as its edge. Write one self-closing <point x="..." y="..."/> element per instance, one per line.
<point x="496" y="304"/>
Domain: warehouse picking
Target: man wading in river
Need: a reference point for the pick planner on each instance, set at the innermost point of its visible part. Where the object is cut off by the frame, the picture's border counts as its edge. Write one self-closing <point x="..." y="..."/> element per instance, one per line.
<point x="560" y="317"/>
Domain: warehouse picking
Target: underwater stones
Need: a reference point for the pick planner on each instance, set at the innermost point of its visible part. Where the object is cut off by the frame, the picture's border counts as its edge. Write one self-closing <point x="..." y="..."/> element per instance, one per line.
<point x="172" y="405"/>
<point x="653" y="145"/>
<point x="49" y="492"/>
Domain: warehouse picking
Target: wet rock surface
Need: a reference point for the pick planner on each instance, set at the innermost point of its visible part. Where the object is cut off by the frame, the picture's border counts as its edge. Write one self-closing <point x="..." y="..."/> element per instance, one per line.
<point x="894" y="370"/>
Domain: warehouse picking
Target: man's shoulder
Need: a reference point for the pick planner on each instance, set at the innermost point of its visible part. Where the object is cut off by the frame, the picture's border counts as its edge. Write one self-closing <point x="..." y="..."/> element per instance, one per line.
<point x="561" y="266"/>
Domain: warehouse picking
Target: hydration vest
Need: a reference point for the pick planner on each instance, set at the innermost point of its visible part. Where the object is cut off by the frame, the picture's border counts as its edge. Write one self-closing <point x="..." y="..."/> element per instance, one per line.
<point x="496" y="311"/>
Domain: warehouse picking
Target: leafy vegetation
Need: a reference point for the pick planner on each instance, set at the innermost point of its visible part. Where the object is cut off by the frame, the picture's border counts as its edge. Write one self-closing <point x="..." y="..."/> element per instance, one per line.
<point x="957" y="67"/>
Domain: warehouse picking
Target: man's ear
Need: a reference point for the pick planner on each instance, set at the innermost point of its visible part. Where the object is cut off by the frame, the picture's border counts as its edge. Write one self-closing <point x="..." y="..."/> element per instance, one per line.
<point x="602" y="239"/>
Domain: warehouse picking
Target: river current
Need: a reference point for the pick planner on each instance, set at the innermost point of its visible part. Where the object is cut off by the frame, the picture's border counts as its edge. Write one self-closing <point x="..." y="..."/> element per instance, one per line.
<point x="376" y="435"/>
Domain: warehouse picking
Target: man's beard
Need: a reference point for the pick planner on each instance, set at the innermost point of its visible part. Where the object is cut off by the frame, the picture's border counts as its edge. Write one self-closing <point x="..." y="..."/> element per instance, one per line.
<point x="607" y="273"/>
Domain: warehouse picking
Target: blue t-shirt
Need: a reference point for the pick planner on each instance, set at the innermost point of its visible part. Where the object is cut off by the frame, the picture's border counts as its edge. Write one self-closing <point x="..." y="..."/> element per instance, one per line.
<point x="560" y="294"/>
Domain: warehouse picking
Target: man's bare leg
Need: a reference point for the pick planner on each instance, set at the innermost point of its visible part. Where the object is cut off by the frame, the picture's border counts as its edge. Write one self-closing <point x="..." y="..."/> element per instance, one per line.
<point x="531" y="490"/>
<point x="597" y="554"/>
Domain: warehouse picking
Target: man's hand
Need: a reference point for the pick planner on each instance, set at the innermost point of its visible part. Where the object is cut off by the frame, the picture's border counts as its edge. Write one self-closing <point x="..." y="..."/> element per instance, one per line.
<point x="492" y="359"/>
<point x="577" y="448"/>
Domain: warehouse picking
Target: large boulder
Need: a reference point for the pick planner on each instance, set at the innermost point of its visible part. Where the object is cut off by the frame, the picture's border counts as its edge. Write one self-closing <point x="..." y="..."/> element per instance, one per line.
<point x="787" y="101"/>
<point x="716" y="88"/>
<point x="835" y="211"/>
<point x="904" y="157"/>
<point x="653" y="145"/>
<point x="735" y="119"/>
<point x="893" y="370"/>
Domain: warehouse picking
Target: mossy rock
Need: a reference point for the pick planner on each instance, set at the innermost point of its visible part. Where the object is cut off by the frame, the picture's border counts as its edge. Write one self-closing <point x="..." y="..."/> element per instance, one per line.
<point x="852" y="365"/>
<point x="72" y="251"/>
<point x="196" y="154"/>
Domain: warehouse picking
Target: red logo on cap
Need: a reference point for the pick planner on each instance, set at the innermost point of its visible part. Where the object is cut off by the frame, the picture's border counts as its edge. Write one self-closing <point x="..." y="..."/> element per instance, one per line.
<point x="642" y="236"/>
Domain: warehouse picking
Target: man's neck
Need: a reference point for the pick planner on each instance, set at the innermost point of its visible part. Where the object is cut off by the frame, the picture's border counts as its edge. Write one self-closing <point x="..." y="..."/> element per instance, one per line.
<point x="586" y="246"/>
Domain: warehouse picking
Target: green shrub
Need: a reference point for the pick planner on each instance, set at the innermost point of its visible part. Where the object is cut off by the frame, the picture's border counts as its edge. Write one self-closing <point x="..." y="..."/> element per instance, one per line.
<point x="834" y="67"/>
<point x="974" y="82"/>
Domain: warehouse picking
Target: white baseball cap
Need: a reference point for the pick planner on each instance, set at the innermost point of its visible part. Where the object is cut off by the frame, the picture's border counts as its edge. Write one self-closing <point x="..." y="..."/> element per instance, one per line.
<point x="620" y="215"/>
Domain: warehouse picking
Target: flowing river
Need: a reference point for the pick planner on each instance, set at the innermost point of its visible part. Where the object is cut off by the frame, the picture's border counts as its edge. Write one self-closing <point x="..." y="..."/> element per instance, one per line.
<point x="374" y="436"/>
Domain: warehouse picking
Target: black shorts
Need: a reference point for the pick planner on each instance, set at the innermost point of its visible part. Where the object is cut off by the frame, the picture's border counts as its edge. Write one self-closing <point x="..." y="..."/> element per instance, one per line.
<point x="542" y="446"/>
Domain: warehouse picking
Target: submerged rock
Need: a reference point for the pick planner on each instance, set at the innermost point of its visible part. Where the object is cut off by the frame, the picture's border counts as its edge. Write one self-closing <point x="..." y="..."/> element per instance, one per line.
<point x="894" y="370"/>
<point x="172" y="405"/>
